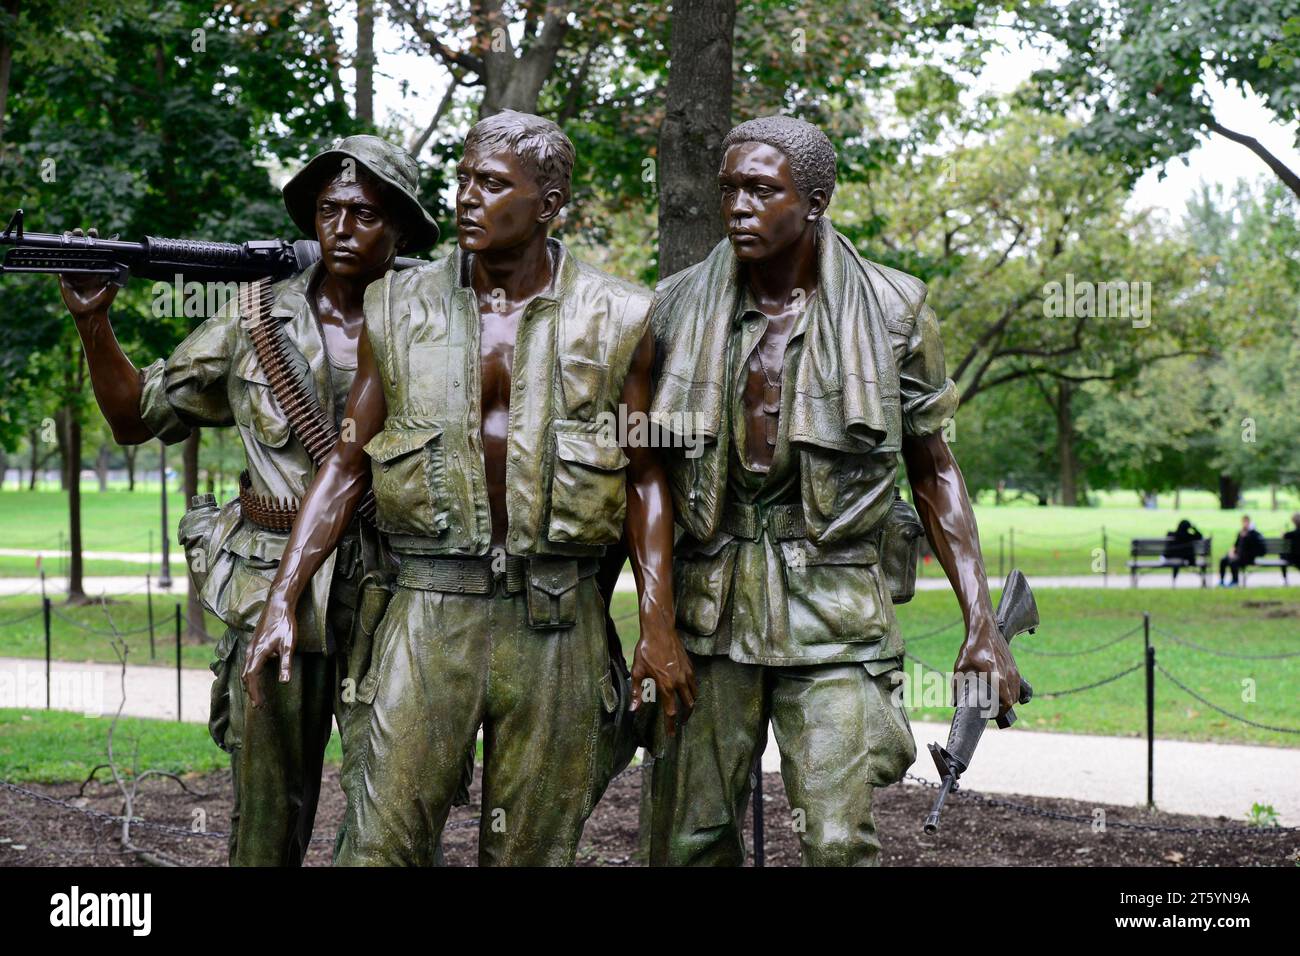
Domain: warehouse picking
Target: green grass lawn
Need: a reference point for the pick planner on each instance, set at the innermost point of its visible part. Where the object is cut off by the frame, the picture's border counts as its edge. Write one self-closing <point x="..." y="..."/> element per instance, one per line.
<point x="1050" y="540"/>
<point x="81" y="633"/>
<point x="52" y="746"/>
<point x="1076" y="619"/>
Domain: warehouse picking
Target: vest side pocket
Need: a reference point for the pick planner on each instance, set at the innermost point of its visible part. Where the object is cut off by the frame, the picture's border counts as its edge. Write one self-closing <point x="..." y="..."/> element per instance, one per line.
<point x="702" y="584"/>
<point x="407" y="474"/>
<point x="588" y="485"/>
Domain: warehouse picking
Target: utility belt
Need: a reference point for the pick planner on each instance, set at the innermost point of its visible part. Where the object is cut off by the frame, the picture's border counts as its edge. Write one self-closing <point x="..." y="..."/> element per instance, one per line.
<point x="549" y="582"/>
<point x="263" y="511"/>
<point x="781" y="522"/>
<point x="898" y="537"/>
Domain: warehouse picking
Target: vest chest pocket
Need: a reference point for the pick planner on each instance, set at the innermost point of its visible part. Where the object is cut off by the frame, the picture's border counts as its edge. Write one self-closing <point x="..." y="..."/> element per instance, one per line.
<point x="408" y="476"/>
<point x="835" y="592"/>
<point x="256" y="408"/>
<point x="588" y="485"/>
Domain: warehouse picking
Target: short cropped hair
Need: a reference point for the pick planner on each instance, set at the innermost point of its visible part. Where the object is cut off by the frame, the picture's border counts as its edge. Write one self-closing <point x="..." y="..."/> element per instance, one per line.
<point x="806" y="148"/>
<point x="540" y="145"/>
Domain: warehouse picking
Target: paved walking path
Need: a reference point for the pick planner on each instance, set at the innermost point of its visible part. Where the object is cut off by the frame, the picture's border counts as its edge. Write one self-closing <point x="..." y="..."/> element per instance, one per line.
<point x="1202" y="778"/>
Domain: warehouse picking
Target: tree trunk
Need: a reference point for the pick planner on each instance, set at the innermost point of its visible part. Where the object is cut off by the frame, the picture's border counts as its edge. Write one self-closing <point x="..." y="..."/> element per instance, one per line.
<point x="1178" y="499"/>
<point x="61" y="439"/>
<point x="130" y="452"/>
<point x="1065" y="445"/>
<point x="72" y="478"/>
<point x="697" y="117"/>
<point x="33" y="437"/>
<point x="1229" y="492"/>
<point x="193" y="606"/>
<point x="6" y="66"/>
<point x="365" y="62"/>
<point x="101" y="467"/>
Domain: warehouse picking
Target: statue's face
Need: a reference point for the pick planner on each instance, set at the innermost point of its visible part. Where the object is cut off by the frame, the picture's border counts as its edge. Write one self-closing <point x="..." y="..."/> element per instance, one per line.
<point x="358" y="237"/>
<point x="762" y="211"/>
<point x="499" y="202"/>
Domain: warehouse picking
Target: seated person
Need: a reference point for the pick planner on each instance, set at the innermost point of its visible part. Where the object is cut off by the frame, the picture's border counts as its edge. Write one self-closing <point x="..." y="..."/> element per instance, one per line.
<point x="1292" y="539"/>
<point x="1180" y="546"/>
<point x="1249" y="546"/>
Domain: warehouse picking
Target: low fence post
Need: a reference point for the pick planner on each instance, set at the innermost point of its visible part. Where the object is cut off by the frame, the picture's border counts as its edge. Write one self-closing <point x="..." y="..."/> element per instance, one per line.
<point x="148" y="597"/>
<point x="1105" y="558"/>
<point x="178" y="663"/>
<point x="45" y="610"/>
<point x="1150" y="656"/>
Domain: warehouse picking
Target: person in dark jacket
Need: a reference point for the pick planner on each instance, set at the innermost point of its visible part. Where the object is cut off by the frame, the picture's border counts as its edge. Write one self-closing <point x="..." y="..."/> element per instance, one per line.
<point x="1292" y="539"/>
<point x="1249" y="546"/>
<point x="1180" y="544"/>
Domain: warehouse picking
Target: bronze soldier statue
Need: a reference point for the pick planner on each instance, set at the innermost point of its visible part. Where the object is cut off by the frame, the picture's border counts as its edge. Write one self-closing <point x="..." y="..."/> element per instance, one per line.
<point x="481" y="383"/>
<point x="360" y="200"/>
<point x="806" y="370"/>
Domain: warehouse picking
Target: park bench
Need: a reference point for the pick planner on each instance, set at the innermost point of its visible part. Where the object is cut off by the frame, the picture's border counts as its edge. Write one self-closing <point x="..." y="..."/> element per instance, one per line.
<point x="1148" y="554"/>
<point x="1274" y="556"/>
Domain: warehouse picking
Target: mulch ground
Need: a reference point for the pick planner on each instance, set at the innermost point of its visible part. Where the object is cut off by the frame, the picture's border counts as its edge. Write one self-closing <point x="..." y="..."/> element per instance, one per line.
<point x="39" y="833"/>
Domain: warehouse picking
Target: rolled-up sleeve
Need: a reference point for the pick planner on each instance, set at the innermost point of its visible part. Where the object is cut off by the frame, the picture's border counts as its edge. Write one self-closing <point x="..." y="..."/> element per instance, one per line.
<point x="189" y="389"/>
<point x="929" y="396"/>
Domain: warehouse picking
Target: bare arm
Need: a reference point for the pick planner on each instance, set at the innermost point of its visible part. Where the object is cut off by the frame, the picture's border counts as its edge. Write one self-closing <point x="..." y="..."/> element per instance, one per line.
<point x="115" y="380"/>
<point x="323" y="517"/>
<point x="659" y="655"/>
<point x="945" y="511"/>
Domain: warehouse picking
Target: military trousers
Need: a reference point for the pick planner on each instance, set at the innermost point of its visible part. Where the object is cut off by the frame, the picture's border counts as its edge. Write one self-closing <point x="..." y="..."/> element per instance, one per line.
<point x="442" y="666"/>
<point x="841" y="734"/>
<point x="277" y="751"/>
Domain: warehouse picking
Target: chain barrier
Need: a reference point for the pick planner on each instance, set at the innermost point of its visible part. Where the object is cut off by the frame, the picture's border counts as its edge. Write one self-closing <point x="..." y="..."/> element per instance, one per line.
<point x="1040" y="693"/>
<point x="1076" y="690"/>
<point x="109" y="633"/>
<point x="21" y="617"/>
<point x="1245" y="720"/>
<point x="1208" y="650"/>
<point x="1026" y="810"/>
<point x="1027" y="649"/>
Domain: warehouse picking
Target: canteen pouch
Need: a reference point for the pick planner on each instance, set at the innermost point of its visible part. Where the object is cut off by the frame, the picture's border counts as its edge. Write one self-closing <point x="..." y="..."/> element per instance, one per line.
<point x="194" y="534"/>
<point x="373" y="594"/>
<point x="900" y="549"/>
<point x="552" y="593"/>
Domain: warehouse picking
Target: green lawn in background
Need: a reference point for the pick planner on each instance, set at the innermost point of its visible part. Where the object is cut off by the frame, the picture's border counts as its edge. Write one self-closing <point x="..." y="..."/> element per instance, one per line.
<point x="1050" y="540"/>
<point x="81" y="633"/>
<point x="53" y="746"/>
<point x="1252" y="621"/>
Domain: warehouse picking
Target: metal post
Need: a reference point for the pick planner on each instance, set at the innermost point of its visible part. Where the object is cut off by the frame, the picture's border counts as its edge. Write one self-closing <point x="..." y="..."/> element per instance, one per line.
<point x="1151" y="709"/>
<point x="1105" y="559"/>
<point x="165" y="574"/>
<point x="178" y="663"/>
<point x="148" y="597"/>
<point x="45" y="607"/>
<point x="1002" y="545"/>
<point x="758" y="810"/>
<point x="42" y="584"/>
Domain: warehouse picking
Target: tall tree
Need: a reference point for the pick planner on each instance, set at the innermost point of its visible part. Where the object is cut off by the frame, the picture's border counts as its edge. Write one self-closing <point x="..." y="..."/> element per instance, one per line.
<point x="1137" y="69"/>
<point x="696" y="118"/>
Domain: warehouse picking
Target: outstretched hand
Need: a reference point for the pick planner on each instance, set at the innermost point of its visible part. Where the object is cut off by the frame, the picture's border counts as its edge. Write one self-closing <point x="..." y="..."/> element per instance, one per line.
<point x="86" y="295"/>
